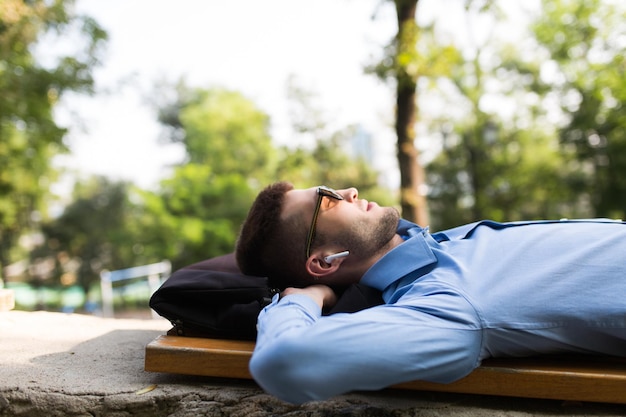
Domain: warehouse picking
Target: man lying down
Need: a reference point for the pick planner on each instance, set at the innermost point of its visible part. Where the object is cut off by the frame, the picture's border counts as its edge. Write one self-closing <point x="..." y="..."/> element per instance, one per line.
<point x="451" y="299"/>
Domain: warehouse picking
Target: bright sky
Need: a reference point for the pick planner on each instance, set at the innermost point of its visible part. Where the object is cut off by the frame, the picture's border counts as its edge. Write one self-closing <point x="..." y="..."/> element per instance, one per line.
<point x="246" y="45"/>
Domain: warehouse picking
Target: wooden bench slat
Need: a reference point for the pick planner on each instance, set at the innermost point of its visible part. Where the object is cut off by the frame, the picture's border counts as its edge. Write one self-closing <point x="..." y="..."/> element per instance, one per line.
<point x="578" y="379"/>
<point x="548" y="378"/>
<point x="199" y="356"/>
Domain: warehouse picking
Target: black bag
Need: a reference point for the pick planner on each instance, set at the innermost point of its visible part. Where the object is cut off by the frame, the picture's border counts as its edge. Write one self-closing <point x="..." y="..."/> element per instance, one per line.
<point x="214" y="299"/>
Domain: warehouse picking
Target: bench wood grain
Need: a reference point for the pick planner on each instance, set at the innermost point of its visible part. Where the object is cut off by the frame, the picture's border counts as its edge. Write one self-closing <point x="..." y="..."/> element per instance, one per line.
<point x="563" y="378"/>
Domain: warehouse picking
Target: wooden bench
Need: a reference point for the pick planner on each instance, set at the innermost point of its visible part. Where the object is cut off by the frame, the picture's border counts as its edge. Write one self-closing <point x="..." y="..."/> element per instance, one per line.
<point x="562" y="378"/>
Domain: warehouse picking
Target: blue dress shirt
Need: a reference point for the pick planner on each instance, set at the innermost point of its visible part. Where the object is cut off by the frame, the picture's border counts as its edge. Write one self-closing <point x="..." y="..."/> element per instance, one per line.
<point x="454" y="298"/>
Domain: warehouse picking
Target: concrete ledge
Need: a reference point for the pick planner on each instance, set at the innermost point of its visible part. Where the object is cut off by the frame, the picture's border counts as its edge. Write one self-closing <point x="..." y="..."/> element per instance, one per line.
<point x="53" y="364"/>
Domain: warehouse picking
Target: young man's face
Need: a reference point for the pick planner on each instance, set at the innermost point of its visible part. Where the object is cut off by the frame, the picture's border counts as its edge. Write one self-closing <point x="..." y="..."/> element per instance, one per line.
<point x="354" y="224"/>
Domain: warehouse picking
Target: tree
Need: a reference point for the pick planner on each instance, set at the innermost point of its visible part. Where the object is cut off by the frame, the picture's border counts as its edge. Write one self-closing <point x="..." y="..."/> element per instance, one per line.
<point x="95" y="232"/>
<point x="29" y="91"/>
<point x="412" y="182"/>
<point x="405" y="62"/>
<point x="585" y="66"/>
<point x="196" y="213"/>
<point x="496" y="164"/>
<point x="217" y="122"/>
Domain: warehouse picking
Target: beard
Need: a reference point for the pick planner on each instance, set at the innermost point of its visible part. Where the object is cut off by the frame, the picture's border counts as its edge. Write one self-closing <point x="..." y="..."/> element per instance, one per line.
<point x="365" y="239"/>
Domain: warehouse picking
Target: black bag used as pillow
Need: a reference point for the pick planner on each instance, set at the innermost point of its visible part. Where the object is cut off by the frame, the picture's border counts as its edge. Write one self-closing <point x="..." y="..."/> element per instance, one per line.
<point x="214" y="299"/>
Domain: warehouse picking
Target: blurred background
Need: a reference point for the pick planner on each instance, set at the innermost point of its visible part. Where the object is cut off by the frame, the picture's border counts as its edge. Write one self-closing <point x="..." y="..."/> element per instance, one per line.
<point x="135" y="133"/>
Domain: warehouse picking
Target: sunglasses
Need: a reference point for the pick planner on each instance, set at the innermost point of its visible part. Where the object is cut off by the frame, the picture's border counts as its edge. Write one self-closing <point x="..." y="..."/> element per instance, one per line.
<point x="326" y="199"/>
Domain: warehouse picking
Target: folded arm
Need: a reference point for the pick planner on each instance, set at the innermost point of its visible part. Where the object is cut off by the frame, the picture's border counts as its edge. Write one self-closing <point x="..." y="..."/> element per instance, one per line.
<point x="302" y="356"/>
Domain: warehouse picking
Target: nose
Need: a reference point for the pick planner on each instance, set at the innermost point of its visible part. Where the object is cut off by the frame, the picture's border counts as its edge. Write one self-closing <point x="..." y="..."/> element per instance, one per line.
<point x="350" y="194"/>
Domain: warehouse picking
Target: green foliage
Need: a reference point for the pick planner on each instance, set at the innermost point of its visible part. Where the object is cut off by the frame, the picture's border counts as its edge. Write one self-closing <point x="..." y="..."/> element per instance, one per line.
<point x="522" y="173"/>
<point x="226" y="123"/>
<point x="494" y="164"/>
<point x="29" y="135"/>
<point x="417" y="53"/>
<point x="585" y="41"/>
<point x="197" y="212"/>
<point x="94" y="232"/>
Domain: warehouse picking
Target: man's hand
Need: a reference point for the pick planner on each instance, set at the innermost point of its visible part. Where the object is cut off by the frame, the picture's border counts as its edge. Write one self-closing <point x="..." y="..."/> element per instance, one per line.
<point x="323" y="295"/>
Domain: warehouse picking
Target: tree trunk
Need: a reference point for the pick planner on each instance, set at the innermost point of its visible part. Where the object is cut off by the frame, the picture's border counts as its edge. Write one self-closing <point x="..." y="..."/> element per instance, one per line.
<point x="412" y="195"/>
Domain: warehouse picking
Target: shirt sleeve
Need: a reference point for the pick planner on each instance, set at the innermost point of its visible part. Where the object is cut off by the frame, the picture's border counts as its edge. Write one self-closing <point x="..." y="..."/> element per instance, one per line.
<point x="301" y="355"/>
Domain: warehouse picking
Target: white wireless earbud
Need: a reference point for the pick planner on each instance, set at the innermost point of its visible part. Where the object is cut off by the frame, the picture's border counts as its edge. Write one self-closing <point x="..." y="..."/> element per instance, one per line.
<point x="330" y="258"/>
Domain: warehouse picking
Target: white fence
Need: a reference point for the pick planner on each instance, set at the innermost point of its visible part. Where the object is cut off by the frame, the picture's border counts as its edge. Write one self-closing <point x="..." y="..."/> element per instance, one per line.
<point x="155" y="273"/>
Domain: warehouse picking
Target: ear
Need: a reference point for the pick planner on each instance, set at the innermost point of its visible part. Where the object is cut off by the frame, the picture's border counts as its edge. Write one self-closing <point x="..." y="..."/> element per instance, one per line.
<point x="317" y="267"/>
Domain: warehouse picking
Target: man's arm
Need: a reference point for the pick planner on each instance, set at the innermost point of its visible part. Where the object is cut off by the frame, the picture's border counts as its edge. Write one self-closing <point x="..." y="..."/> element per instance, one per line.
<point x="323" y="295"/>
<point x="302" y="356"/>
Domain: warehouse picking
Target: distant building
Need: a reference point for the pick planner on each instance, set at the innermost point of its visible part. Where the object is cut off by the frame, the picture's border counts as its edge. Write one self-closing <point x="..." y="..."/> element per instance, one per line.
<point x="362" y="146"/>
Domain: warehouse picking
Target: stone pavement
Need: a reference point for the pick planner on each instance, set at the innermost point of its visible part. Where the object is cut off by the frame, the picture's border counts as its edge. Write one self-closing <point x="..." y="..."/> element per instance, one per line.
<point x="54" y="364"/>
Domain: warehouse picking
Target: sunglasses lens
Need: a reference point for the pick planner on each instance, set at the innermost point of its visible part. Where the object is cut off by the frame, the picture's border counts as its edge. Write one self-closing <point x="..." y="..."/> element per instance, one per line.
<point x="328" y="202"/>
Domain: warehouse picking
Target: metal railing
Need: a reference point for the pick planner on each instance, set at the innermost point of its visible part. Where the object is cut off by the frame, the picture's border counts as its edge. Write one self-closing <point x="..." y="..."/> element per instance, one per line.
<point x="156" y="274"/>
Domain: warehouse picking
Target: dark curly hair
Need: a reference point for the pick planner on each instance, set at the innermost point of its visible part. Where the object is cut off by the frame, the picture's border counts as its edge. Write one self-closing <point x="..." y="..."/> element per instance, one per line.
<point x="272" y="245"/>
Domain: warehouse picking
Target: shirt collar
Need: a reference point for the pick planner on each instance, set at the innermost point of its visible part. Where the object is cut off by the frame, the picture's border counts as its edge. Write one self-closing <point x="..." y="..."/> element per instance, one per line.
<point x="413" y="254"/>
